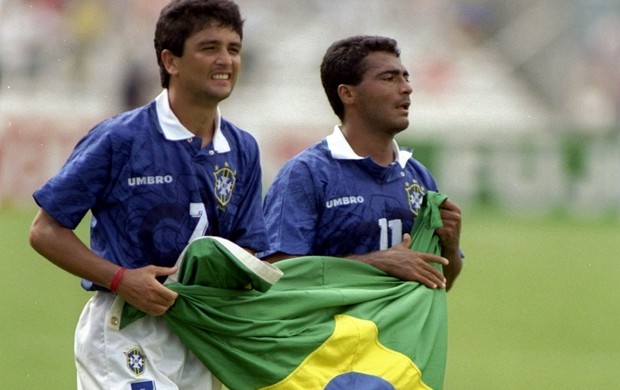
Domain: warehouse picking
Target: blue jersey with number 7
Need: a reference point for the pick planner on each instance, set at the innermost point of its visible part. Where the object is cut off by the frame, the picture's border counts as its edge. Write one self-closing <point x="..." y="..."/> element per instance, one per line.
<point x="151" y="189"/>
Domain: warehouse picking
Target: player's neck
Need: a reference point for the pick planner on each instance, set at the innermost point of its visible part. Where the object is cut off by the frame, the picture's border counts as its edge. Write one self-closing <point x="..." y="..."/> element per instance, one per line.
<point x="378" y="146"/>
<point x="197" y="117"/>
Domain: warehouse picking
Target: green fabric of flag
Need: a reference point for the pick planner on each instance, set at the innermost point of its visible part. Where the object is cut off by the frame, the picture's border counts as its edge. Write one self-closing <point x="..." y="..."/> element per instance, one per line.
<point x="327" y="323"/>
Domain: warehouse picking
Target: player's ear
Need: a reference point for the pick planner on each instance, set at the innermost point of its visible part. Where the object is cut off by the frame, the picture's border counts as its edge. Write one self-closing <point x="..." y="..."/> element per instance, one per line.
<point x="346" y="93"/>
<point x="169" y="61"/>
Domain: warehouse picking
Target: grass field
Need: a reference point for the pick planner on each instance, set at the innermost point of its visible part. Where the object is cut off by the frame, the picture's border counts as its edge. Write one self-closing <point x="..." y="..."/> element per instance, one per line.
<point x="537" y="306"/>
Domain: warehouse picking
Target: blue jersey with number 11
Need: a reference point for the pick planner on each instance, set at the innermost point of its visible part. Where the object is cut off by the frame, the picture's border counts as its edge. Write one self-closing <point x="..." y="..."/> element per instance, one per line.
<point x="328" y="201"/>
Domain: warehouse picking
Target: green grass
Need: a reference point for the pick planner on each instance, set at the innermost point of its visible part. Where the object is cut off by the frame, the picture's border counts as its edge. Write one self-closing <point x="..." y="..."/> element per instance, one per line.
<point x="536" y="306"/>
<point x="40" y="308"/>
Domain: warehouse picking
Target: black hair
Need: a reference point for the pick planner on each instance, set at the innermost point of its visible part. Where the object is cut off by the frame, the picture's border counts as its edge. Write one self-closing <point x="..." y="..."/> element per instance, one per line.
<point x="181" y="18"/>
<point x="343" y="63"/>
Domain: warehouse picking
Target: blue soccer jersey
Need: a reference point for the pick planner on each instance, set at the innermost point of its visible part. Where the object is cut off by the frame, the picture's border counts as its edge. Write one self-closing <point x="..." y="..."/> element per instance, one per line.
<point x="151" y="188"/>
<point x="329" y="201"/>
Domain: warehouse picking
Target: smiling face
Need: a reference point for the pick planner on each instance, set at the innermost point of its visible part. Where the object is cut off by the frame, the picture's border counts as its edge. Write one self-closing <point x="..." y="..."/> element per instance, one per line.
<point x="207" y="71"/>
<point x="382" y="98"/>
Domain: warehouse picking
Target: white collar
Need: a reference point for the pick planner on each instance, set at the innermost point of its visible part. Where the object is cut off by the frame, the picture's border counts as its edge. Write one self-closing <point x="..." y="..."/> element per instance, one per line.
<point x="175" y="131"/>
<point x="341" y="150"/>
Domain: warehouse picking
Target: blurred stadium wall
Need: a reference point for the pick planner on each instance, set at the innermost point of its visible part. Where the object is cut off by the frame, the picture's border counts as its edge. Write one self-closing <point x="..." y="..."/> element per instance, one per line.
<point x="515" y="103"/>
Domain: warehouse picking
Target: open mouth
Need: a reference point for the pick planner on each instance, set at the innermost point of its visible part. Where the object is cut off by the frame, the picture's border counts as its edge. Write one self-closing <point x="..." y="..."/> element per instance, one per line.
<point x="405" y="105"/>
<point x="221" y="76"/>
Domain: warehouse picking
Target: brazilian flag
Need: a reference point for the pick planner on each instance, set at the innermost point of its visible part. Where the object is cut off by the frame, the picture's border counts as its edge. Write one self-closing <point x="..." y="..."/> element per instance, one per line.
<point x="310" y="322"/>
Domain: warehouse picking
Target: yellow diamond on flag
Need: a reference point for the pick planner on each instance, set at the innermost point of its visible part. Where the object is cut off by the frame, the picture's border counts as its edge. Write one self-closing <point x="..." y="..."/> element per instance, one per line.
<point x="366" y="362"/>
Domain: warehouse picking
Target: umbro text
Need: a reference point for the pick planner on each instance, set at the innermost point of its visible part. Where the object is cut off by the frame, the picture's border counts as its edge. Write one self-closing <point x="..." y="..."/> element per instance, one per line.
<point x="345" y="200"/>
<point x="149" y="180"/>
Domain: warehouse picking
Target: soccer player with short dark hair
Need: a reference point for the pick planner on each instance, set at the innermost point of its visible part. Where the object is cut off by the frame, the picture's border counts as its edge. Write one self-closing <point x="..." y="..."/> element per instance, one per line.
<point x="154" y="179"/>
<point x="356" y="194"/>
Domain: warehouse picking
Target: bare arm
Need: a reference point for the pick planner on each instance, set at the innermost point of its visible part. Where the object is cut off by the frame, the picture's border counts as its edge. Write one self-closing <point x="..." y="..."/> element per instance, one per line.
<point x="449" y="236"/>
<point x="279" y="256"/>
<point x="405" y="264"/>
<point x="398" y="261"/>
<point x="63" y="248"/>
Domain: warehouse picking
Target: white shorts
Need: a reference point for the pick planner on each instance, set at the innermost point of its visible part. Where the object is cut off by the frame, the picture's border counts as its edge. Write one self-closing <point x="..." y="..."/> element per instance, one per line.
<point x="142" y="356"/>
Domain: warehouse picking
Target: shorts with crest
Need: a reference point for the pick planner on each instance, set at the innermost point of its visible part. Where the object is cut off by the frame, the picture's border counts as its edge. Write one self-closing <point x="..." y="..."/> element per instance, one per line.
<point x="142" y="356"/>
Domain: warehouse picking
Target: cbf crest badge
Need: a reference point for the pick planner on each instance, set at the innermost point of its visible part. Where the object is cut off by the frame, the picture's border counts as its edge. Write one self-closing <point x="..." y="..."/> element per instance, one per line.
<point x="415" y="195"/>
<point x="136" y="361"/>
<point x="224" y="184"/>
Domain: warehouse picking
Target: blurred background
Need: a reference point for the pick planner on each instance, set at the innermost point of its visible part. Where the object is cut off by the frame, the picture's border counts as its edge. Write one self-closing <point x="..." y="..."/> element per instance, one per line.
<point x="515" y="103"/>
<point x="516" y="111"/>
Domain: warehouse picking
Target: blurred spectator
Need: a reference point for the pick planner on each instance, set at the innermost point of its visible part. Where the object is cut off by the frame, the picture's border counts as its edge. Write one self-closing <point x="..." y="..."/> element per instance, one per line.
<point x="477" y="20"/>
<point x="88" y="21"/>
<point x="597" y="101"/>
<point x="139" y="85"/>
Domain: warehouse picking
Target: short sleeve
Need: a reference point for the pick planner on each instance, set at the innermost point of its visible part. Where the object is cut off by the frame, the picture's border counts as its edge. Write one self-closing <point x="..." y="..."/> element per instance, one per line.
<point x="291" y="211"/>
<point x="78" y="185"/>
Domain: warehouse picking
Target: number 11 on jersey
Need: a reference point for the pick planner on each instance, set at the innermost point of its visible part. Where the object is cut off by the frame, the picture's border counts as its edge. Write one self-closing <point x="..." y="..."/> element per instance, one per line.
<point x="391" y="233"/>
